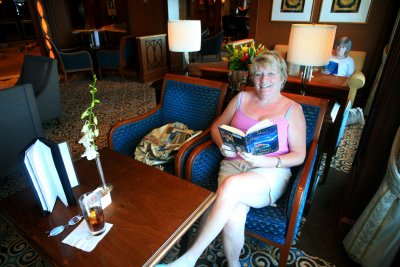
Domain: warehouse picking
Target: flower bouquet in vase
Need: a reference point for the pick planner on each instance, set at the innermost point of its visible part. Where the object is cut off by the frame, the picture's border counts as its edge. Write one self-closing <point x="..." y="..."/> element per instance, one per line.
<point x="239" y="59"/>
<point x="88" y="140"/>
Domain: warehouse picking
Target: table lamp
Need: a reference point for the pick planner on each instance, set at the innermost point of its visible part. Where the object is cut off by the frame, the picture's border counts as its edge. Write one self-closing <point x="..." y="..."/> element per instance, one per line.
<point x="310" y="45"/>
<point x="184" y="36"/>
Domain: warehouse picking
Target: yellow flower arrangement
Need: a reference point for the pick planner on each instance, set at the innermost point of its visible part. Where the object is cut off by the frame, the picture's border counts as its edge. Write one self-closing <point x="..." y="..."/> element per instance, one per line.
<point x="240" y="57"/>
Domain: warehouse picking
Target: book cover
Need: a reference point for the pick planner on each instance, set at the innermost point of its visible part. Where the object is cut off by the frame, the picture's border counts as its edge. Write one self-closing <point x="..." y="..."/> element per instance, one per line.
<point x="51" y="172"/>
<point x="260" y="139"/>
<point x="332" y="67"/>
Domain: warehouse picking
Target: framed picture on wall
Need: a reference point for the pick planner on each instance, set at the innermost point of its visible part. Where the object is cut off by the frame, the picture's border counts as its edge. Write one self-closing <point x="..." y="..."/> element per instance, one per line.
<point x="346" y="11"/>
<point x="291" y="10"/>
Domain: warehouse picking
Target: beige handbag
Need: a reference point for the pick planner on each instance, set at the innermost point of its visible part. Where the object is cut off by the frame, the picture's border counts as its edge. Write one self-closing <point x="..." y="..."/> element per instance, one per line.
<point x="159" y="146"/>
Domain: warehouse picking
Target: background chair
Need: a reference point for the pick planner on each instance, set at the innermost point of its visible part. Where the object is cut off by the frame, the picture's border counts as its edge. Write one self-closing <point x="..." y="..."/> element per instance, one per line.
<point x="73" y="61"/>
<point x="276" y="226"/>
<point x="357" y="80"/>
<point x="120" y="59"/>
<point x="212" y="45"/>
<point x="42" y="73"/>
<point x="191" y="101"/>
<point x="20" y="123"/>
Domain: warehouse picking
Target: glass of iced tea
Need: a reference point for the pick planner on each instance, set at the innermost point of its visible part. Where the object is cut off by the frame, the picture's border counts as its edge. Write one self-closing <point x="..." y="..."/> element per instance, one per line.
<point x="92" y="211"/>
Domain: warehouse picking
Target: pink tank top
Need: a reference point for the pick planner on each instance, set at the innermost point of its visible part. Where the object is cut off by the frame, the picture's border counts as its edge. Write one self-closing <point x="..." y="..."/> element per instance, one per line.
<point x="243" y="122"/>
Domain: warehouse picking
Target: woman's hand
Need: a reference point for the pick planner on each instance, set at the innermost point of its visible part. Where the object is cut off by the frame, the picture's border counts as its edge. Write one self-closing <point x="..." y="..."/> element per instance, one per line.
<point x="226" y="151"/>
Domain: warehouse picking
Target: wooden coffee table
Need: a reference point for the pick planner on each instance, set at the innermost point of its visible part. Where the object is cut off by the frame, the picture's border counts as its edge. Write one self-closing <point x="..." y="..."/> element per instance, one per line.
<point x="150" y="211"/>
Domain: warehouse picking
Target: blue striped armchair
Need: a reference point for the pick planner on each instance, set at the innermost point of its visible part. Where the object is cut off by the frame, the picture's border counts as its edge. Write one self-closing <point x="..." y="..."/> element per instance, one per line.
<point x="192" y="101"/>
<point x="277" y="226"/>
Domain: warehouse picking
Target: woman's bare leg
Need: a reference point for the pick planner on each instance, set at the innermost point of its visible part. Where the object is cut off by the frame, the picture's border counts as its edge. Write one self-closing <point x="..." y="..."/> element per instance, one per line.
<point x="248" y="189"/>
<point x="233" y="235"/>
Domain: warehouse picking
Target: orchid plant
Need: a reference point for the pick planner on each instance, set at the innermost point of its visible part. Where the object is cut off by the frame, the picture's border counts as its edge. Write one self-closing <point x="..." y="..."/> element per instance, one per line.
<point x="89" y="129"/>
<point x="240" y="57"/>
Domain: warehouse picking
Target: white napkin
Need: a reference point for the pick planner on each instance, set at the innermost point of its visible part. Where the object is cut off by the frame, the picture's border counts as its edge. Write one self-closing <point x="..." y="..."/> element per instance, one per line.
<point x="82" y="239"/>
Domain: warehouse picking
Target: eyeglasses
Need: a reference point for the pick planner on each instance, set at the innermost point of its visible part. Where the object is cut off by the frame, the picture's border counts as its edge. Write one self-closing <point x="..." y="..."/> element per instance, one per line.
<point x="58" y="230"/>
<point x="259" y="75"/>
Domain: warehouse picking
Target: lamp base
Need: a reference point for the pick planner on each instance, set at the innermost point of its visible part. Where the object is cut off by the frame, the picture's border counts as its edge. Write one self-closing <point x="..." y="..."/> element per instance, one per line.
<point x="305" y="78"/>
<point x="186" y="63"/>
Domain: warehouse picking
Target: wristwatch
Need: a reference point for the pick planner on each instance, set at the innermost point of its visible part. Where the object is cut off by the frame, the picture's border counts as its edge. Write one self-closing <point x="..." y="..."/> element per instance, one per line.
<point x="279" y="164"/>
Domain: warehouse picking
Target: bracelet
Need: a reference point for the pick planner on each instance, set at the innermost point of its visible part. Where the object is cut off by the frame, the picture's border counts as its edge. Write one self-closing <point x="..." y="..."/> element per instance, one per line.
<point x="279" y="164"/>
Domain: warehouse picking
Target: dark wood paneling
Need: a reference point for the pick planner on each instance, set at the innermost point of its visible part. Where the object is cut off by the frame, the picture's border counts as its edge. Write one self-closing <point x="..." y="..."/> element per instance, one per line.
<point x="147" y="18"/>
<point x="59" y="22"/>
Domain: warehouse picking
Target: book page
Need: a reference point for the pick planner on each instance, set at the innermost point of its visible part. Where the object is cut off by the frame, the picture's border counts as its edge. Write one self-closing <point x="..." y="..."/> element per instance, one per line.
<point x="232" y="129"/>
<point x="69" y="167"/>
<point x="233" y="138"/>
<point x="33" y="176"/>
<point x="260" y="125"/>
<point x="47" y="176"/>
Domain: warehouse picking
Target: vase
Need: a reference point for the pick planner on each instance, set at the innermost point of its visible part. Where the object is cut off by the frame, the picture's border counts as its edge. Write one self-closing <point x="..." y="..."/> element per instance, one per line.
<point x="237" y="78"/>
<point x="105" y="188"/>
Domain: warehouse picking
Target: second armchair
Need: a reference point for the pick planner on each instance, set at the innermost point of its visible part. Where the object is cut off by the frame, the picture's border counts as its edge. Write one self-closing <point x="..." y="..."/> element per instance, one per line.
<point x="73" y="61"/>
<point x="121" y="59"/>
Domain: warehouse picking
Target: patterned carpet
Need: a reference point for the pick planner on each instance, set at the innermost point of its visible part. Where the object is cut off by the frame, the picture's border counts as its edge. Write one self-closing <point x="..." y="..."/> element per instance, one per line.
<point x="254" y="253"/>
<point x="120" y="100"/>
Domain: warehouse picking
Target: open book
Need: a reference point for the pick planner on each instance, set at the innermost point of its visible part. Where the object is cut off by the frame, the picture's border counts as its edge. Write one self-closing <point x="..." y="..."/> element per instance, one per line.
<point x="51" y="171"/>
<point x="260" y="139"/>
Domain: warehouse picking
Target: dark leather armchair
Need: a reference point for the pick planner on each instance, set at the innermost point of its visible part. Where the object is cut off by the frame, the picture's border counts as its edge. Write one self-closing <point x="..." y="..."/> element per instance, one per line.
<point x="212" y="45"/>
<point x="73" y="61"/>
<point x="191" y="101"/>
<point x="120" y="59"/>
<point x="20" y="123"/>
<point x="42" y="73"/>
<point x="276" y="226"/>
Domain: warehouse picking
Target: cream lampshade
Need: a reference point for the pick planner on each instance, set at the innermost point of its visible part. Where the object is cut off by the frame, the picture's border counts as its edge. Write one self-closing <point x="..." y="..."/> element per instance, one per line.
<point x="310" y="45"/>
<point x="184" y="36"/>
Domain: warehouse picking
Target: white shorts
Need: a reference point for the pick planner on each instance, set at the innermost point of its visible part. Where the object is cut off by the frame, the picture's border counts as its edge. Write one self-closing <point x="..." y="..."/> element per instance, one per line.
<point x="277" y="178"/>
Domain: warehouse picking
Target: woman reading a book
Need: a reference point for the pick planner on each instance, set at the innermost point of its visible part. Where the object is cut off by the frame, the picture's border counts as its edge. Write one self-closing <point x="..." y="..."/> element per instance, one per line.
<point x="246" y="180"/>
<point x="341" y="64"/>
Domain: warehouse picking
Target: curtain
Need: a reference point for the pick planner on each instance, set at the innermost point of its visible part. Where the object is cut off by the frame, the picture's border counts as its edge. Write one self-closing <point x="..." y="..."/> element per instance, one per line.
<point x="377" y="230"/>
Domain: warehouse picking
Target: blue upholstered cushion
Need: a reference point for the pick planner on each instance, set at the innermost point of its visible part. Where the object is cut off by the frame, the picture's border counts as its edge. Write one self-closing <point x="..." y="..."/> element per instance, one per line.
<point x="108" y="59"/>
<point x="76" y="61"/>
<point x="191" y="104"/>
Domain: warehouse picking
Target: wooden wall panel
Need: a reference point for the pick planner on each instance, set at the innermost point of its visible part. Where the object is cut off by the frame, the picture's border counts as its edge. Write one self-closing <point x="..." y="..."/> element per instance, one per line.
<point x="147" y="18"/>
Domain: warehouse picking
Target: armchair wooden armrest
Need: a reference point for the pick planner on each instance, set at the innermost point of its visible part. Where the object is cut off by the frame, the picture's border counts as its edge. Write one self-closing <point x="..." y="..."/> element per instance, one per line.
<point x="187" y="148"/>
<point x="125" y="135"/>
